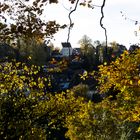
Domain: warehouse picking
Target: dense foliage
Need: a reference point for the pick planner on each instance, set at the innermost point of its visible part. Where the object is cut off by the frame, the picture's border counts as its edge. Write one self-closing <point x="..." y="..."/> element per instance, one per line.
<point x="123" y="76"/>
<point x="117" y="115"/>
<point x="29" y="111"/>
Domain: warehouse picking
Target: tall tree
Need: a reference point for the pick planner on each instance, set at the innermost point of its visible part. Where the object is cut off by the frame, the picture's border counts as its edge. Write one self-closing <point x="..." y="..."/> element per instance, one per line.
<point x="88" y="51"/>
<point x="85" y="44"/>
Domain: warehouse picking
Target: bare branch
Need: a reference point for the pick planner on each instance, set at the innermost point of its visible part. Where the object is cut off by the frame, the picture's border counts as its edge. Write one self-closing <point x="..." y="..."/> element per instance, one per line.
<point x="71" y="19"/>
<point x="101" y="24"/>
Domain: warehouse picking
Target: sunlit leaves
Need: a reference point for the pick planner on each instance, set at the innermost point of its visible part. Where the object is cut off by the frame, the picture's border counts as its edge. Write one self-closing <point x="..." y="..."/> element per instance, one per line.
<point x="57" y="109"/>
<point x="19" y="95"/>
<point x="123" y="75"/>
<point x="27" y="104"/>
<point x="84" y="75"/>
<point x="92" y="122"/>
<point x="23" y="95"/>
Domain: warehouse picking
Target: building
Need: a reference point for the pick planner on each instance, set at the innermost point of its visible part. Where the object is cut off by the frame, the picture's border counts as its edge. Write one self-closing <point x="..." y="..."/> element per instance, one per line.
<point x="76" y="51"/>
<point x="67" y="49"/>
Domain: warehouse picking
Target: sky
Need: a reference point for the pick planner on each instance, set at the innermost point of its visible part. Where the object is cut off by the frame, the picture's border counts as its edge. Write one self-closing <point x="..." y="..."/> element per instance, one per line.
<point x="86" y="22"/>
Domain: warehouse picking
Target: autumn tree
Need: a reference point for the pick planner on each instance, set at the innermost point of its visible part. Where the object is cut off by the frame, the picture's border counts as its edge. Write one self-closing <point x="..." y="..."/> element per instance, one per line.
<point x="34" y="52"/>
<point x="27" y="21"/>
<point x="88" y="51"/>
<point x="123" y="76"/>
<point x="112" y="118"/>
<point x="20" y="27"/>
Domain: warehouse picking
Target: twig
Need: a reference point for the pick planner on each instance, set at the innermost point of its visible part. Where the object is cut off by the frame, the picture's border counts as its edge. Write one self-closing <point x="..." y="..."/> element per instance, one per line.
<point x="65" y="7"/>
<point x="94" y="5"/>
<point x="130" y="19"/>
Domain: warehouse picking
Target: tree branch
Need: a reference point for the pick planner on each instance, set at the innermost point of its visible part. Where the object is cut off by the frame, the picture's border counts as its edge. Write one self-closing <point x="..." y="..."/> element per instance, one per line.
<point x="101" y="24"/>
<point x="69" y="16"/>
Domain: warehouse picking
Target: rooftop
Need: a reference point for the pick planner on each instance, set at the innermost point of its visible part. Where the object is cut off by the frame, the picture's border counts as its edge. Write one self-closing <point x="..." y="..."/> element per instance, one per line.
<point x="66" y="45"/>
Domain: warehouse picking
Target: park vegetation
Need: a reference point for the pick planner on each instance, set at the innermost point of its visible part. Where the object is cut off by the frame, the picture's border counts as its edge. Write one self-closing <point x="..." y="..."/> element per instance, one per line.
<point x="29" y="107"/>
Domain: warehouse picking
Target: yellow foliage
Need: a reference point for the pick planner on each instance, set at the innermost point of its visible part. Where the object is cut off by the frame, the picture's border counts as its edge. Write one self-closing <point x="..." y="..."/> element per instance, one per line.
<point x="25" y="107"/>
<point x="19" y="96"/>
<point x="123" y="75"/>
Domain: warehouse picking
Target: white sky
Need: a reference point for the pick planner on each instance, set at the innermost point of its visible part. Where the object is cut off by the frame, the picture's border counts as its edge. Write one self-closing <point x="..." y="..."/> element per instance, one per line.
<point x="86" y="21"/>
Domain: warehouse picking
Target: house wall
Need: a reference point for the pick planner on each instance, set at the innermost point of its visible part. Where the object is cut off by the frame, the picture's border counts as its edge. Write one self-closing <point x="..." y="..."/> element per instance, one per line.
<point x="65" y="51"/>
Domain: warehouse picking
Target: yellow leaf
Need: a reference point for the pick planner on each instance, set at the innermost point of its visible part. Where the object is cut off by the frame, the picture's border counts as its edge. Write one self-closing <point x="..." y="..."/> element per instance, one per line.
<point x="105" y="63"/>
<point x="138" y="130"/>
<point x="131" y="82"/>
<point x="138" y="82"/>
